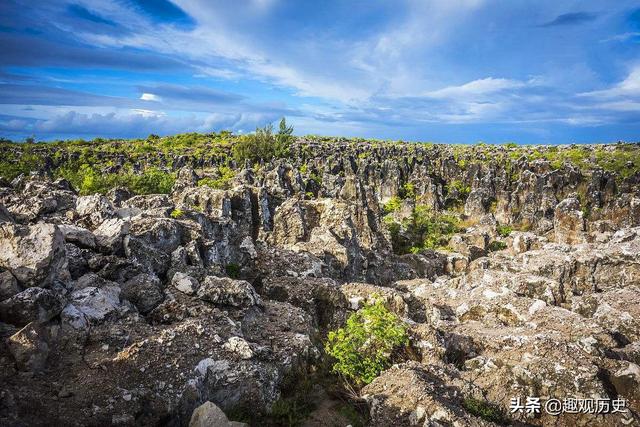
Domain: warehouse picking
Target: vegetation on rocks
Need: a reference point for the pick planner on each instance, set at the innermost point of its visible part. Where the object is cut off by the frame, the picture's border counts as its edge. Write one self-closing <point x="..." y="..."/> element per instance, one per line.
<point x="486" y="411"/>
<point x="364" y="347"/>
<point x="423" y="229"/>
<point x="264" y="144"/>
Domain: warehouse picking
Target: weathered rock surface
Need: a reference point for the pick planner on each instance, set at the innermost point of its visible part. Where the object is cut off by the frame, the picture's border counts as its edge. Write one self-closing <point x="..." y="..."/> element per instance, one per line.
<point x="31" y="305"/>
<point x="34" y="254"/>
<point x="177" y="309"/>
<point x="209" y="415"/>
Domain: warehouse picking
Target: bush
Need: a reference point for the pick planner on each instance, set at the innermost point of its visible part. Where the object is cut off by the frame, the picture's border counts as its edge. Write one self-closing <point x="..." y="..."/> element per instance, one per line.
<point x="424" y="229"/>
<point x="88" y="180"/>
<point x="485" y="410"/>
<point x="392" y="205"/>
<point x="504" y="230"/>
<point x="264" y="145"/>
<point x="152" y="181"/>
<point x="177" y="213"/>
<point x="364" y="347"/>
<point x="222" y="182"/>
<point x="497" y="246"/>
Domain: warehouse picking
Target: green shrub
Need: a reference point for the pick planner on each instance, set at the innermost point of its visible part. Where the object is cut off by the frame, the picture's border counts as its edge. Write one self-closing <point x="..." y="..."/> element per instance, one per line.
<point x="88" y="180"/>
<point x="485" y="410"/>
<point x="424" y="229"/>
<point x="460" y="188"/>
<point x="222" y="182"/>
<point x="408" y="191"/>
<point x="177" y="213"/>
<point x="364" y="347"/>
<point x="264" y="144"/>
<point x="432" y="229"/>
<point x="392" y="205"/>
<point x="151" y="181"/>
<point x="496" y="245"/>
<point x="504" y="230"/>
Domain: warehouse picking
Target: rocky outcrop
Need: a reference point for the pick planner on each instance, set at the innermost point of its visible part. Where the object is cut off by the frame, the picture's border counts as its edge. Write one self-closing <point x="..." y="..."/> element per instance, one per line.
<point x="33" y="254"/>
<point x="177" y="309"/>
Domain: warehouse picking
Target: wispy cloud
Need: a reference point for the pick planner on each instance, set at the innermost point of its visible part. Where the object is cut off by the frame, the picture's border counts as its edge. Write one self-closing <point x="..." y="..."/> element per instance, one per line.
<point x="573" y="18"/>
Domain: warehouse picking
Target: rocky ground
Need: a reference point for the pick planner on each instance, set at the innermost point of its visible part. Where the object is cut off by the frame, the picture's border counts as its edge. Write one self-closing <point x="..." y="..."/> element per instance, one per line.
<point x="123" y="309"/>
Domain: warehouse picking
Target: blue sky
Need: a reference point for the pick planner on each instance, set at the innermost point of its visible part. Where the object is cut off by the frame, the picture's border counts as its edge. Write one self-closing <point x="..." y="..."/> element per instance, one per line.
<point x="426" y="70"/>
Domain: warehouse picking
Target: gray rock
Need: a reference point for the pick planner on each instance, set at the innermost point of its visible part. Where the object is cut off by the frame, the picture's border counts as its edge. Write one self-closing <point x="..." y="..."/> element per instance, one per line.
<point x="144" y="291"/>
<point x="568" y="222"/>
<point x="34" y="254"/>
<point x="209" y="415"/>
<point x="30" y="305"/>
<point x="95" y="304"/>
<point x="185" y="283"/>
<point x="110" y="233"/>
<point x="30" y="347"/>
<point x="8" y="285"/>
<point x="226" y="291"/>
<point x="78" y="235"/>
<point x="95" y="208"/>
<point x="5" y="215"/>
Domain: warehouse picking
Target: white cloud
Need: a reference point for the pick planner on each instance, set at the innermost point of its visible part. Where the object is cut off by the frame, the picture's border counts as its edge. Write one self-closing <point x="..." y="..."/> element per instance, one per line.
<point x="150" y="97"/>
<point x="629" y="87"/>
<point x="475" y="88"/>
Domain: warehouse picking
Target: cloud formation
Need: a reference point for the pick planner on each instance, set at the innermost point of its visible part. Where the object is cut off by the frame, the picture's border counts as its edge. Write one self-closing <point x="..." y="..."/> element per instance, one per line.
<point x="573" y="18"/>
<point x="415" y="69"/>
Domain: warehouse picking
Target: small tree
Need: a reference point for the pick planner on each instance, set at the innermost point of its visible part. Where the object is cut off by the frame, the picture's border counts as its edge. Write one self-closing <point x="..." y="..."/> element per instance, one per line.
<point x="283" y="139"/>
<point x="363" y="348"/>
<point x="264" y="144"/>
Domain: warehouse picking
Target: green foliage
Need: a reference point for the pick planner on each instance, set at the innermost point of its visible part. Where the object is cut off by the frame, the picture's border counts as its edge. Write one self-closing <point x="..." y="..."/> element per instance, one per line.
<point x="88" y="180"/>
<point x="408" y="191"/>
<point x="423" y="229"/>
<point x="497" y="245"/>
<point x="485" y="410"/>
<point x="177" y="213"/>
<point x="504" y="230"/>
<point x="264" y="145"/>
<point x="392" y="205"/>
<point x="29" y="160"/>
<point x="291" y="411"/>
<point x="223" y="180"/>
<point x="458" y="187"/>
<point x="433" y="228"/>
<point x="315" y="178"/>
<point x="350" y="413"/>
<point x="364" y="347"/>
<point x="232" y="270"/>
<point x="624" y="160"/>
<point x="152" y="181"/>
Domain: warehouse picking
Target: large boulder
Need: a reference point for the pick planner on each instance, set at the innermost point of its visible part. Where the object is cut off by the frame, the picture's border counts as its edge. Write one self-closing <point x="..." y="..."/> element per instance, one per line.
<point x="32" y="304"/>
<point x="185" y="283"/>
<point x="226" y="291"/>
<point x="144" y="291"/>
<point x="110" y="233"/>
<point x="34" y="254"/>
<point x="78" y="235"/>
<point x="209" y="415"/>
<point x="94" y="209"/>
<point x="94" y="304"/>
